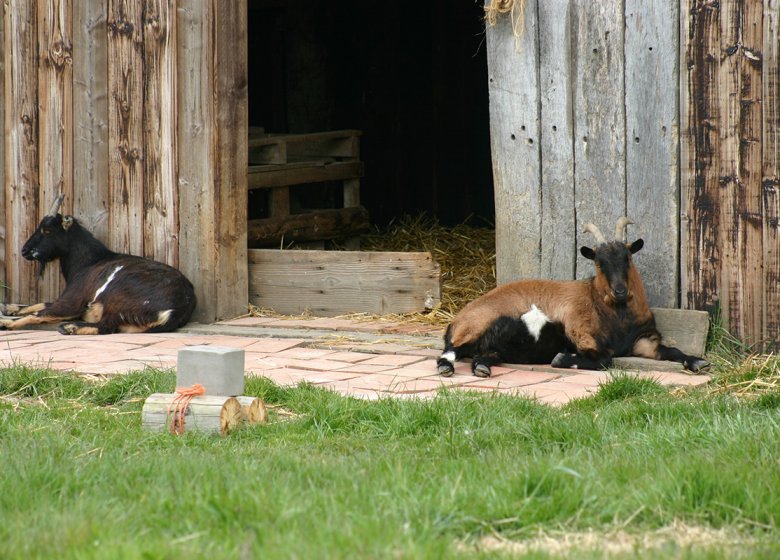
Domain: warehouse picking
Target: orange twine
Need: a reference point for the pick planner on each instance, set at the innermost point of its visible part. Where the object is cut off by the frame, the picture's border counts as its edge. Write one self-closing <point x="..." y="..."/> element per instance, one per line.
<point x="180" y="404"/>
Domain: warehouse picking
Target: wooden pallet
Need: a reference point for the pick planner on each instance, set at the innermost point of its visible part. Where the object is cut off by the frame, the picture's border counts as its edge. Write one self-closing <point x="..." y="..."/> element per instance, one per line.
<point x="279" y="161"/>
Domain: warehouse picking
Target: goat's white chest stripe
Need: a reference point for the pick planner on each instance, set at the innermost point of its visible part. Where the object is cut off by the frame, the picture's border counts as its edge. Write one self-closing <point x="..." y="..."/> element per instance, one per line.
<point x="102" y="288"/>
<point x="535" y="320"/>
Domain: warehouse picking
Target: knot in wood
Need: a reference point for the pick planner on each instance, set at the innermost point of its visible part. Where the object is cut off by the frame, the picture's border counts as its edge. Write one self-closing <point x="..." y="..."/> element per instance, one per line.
<point x="60" y="54"/>
<point x="120" y="27"/>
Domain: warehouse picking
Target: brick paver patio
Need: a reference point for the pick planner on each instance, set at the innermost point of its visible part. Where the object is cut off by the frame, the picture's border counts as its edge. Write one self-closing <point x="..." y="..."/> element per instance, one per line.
<point x="364" y="359"/>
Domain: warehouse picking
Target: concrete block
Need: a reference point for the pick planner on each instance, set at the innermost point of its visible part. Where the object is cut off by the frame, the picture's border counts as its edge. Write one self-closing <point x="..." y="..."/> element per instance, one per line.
<point x="220" y="370"/>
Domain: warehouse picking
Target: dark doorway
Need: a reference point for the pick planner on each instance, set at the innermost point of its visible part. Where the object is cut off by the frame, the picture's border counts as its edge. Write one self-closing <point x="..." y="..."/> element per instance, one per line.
<point x="411" y="77"/>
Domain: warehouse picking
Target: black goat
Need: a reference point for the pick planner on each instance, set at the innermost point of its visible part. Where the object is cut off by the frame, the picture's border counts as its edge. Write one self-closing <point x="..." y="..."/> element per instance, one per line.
<point x="109" y="292"/>
<point x="570" y="324"/>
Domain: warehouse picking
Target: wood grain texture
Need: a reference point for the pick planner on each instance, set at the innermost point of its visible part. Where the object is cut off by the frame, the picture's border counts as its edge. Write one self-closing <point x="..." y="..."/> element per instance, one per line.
<point x="159" y="132"/>
<point x="309" y="226"/>
<point x="740" y="168"/>
<point x="197" y="205"/>
<point x="20" y="54"/>
<point x="230" y="133"/>
<point x="701" y="252"/>
<point x="336" y="282"/>
<point x="3" y="295"/>
<point x="211" y="414"/>
<point x="514" y="140"/>
<point x="559" y="220"/>
<point x="599" y="119"/>
<point x="652" y="130"/>
<point x="125" y="111"/>
<point x="90" y="116"/>
<point x="55" y="110"/>
<point x="770" y="180"/>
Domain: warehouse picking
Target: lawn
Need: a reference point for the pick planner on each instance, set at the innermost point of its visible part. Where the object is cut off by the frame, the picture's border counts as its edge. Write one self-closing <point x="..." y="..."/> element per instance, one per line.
<point x="633" y="470"/>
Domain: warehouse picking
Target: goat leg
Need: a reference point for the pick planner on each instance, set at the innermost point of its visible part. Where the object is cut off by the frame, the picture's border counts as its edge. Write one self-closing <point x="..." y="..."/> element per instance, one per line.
<point x="691" y="363"/>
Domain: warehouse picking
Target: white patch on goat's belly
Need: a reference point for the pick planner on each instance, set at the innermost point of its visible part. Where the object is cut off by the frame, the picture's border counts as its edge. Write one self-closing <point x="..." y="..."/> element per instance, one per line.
<point x="535" y="320"/>
<point x="110" y="278"/>
<point x="449" y="356"/>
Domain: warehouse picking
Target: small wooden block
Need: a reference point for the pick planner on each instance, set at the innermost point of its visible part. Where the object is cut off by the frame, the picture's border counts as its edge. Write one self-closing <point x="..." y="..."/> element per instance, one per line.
<point x="685" y="329"/>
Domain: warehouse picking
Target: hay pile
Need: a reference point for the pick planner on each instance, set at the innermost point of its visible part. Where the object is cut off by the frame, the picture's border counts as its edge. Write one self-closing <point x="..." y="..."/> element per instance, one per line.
<point x="466" y="254"/>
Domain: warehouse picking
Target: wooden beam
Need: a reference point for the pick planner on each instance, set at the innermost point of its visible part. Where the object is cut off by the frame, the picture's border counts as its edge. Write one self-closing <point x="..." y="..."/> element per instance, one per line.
<point x="269" y="176"/>
<point x="231" y="122"/>
<point x="55" y="105"/>
<point x="3" y="295"/>
<point x="90" y="116"/>
<point x="514" y="141"/>
<point x="197" y="235"/>
<point x="652" y="147"/>
<point x="125" y="138"/>
<point x="329" y="283"/>
<point x="161" y="217"/>
<point x="311" y="226"/>
<point x="20" y="52"/>
<point x="770" y="180"/>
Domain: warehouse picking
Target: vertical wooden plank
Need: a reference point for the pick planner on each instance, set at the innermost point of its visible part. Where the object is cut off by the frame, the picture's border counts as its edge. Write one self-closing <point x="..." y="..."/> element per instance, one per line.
<point x="21" y="135"/>
<point x="514" y="140"/>
<point x="55" y="87"/>
<point x="230" y="154"/>
<point x="599" y="119"/>
<point x="160" y="186"/>
<point x="197" y="235"/>
<point x="559" y="220"/>
<point x="652" y="130"/>
<point x="740" y="168"/>
<point x="90" y="116"/>
<point x="700" y="152"/>
<point x="770" y="180"/>
<point x="3" y="295"/>
<point x="125" y="125"/>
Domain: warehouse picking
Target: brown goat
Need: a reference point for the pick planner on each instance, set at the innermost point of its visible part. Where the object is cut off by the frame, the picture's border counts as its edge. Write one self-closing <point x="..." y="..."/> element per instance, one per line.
<point x="109" y="292"/>
<point x="573" y="324"/>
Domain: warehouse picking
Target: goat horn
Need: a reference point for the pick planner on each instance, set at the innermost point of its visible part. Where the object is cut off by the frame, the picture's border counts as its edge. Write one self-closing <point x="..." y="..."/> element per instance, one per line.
<point x="56" y="206"/>
<point x="620" y="228"/>
<point x="591" y="228"/>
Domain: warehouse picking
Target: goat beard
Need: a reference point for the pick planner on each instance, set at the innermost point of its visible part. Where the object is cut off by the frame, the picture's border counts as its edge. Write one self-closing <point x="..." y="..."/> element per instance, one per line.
<point x="41" y="268"/>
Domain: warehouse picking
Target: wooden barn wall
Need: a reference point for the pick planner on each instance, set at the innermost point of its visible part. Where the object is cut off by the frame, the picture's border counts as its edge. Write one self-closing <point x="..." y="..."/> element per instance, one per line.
<point x="136" y="111"/>
<point x="664" y="111"/>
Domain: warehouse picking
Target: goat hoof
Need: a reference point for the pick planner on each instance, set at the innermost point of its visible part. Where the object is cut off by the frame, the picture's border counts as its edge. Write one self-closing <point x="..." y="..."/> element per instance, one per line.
<point x="696" y="365"/>
<point x="481" y="370"/>
<point x="562" y="360"/>
<point x="67" y="328"/>
<point x="445" y="370"/>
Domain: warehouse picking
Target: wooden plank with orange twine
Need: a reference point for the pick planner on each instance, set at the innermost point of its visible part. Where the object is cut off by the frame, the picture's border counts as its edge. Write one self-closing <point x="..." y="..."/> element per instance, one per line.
<point x="190" y="409"/>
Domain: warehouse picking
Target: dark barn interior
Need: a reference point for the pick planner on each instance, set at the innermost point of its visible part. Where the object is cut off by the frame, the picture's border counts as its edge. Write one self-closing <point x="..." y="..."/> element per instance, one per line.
<point x="411" y="77"/>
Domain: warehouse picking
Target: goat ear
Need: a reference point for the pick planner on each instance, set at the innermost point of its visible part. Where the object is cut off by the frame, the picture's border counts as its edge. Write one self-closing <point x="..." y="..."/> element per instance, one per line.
<point x="588" y="253"/>
<point x="636" y="245"/>
<point x="67" y="221"/>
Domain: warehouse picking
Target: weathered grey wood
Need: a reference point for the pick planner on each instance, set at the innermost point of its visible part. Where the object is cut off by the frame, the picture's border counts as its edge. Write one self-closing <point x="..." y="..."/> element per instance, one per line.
<point x="197" y="234"/>
<point x="652" y="130"/>
<point x="331" y="283"/>
<point x="683" y="328"/>
<point x="20" y="52"/>
<point x="559" y="221"/>
<point x="599" y="119"/>
<point x="160" y="208"/>
<point x="514" y="140"/>
<point x="770" y="180"/>
<point x="90" y="116"/>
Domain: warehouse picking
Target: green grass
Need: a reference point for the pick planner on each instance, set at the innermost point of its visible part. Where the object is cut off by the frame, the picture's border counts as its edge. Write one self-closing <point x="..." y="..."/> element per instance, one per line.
<point x="343" y="478"/>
